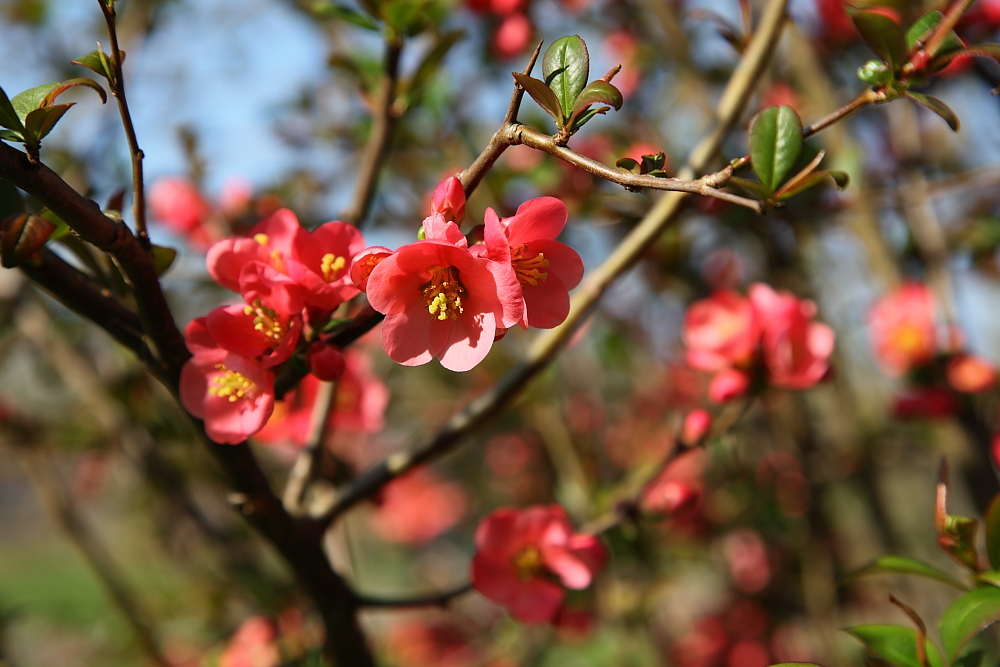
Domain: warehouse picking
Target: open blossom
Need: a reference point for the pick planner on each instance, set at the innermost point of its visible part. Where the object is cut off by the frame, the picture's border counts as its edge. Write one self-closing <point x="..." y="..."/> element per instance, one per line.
<point x="545" y="268"/>
<point x="233" y="394"/>
<point x="796" y="349"/>
<point x="720" y="331"/>
<point x="902" y="328"/>
<point x="177" y="203"/>
<point x="971" y="374"/>
<point x="526" y="558"/>
<point x="441" y="301"/>
<point x="286" y="266"/>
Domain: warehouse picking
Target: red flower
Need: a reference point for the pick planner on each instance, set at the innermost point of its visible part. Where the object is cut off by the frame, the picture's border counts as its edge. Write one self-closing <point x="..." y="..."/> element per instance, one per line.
<point x="449" y="200"/>
<point x="525" y="558"/>
<point x="696" y="426"/>
<point x="545" y="268"/>
<point x="728" y="384"/>
<point x="970" y="374"/>
<point x="254" y="644"/>
<point x="283" y="262"/>
<point x="441" y="301"/>
<point x="177" y="203"/>
<point x="796" y="349"/>
<point x="418" y="507"/>
<point x="233" y="394"/>
<point x="903" y="329"/>
<point x="678" y="489"/>
<point x="720" y="331"/>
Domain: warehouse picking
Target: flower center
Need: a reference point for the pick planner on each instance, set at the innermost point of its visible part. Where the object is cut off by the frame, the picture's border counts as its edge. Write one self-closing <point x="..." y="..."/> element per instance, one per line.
<point x="528" y="563"/>
<point x="443" y="293"/>
<point x="276" y="260"/>
<point x="231" y="385"/>
<point x="528" y="269"/>
<point x="331" y="266"/>
<point x="266" y="321"/>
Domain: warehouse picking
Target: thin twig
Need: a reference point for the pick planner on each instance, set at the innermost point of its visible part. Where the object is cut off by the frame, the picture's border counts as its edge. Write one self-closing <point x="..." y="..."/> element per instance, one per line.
<point x="117" y="85"/>
<point x="429" y="600"/>
<point x="304" y="470"/>
<point x="378" y="142"/>
<point x="64" y="514"/>
<point x="659" y="218"/>
<point x="500" y="141"/>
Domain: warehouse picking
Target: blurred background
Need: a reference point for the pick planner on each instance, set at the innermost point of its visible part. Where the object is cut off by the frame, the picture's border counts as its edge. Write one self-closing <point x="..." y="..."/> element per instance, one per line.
<point x="245" y="106"/>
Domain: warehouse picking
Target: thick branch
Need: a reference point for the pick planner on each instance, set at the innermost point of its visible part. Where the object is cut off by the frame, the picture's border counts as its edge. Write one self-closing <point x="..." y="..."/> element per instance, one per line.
<point x="622" y="258"/>
<point x="75" y="290"/>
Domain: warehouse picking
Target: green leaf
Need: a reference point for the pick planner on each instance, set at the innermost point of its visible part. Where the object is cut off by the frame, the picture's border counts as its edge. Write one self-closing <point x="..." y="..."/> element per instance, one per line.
<point x="20" y="236"/>
<point x="41" y="121"/>
<point x="923" y="28"/>
<point x="61" y="230"/>
<point x="966" y="617"/>
<point x="28" y="100"/>
<point x="541" y="94"/>
<point x="896" y="645"/>
<point x="10" y="135"/>
<point x="597" y="92"/>
<point x="628" y="164"/>
<point x="758" y="190"/>
<point x="875" y="73"/>
<point x="330" y="10"/>
<point x="775" y="138"/>
<point x="903" y="565"/>
<point x="937" y="106"/>
<point x="991" y="577"/>
<point x="580" y="121"/>
<point x="882" y="34"/>
<point x="811" y="180"/>
<point x="8" y="116"/>
<point x="163" y="258"/>
<point x="98" y="62"/>
<point x="566" y="68"/>
<point x="973" y="659"/>
<point x="653" y="162"/>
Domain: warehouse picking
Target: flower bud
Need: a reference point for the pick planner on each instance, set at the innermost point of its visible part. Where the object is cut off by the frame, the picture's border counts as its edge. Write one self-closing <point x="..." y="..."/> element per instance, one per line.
<point x="449" y="200"/>
<point x="696" y="425"/>
<point x="325" y="361"/>
<point x="727" y="385"/>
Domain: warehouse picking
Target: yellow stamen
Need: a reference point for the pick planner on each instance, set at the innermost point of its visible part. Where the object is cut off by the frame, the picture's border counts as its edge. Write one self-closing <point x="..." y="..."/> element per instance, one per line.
<point x="443" y="293"/>
<point x="331" y="265"/>
<point x="230" y="385"/>
<point x="262" y="239"/>
<point x="528" y="269"/>
<point x="528" y="563"/>
<point x="267" y="322"/>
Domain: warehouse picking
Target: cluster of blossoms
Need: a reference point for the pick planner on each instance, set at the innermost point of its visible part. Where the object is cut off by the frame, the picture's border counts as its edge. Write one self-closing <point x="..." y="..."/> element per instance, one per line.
<point x="526" y="559"/>
<point x="907" y="341"/>
<point x="448" y="300"/>
<point x="769" y="336"/>
<point x="290" y="280"/>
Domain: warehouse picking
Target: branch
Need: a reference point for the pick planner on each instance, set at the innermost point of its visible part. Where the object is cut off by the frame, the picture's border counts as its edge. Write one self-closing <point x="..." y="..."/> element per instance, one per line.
<point x="499" y="142"/>
<point x="430" y="600"/>
<point x="117" y="85"/>
<point x="662" y="215"/>
<point x="378" y="142"/>
<point x="75" y="290"/>
<point x="308" y="460"/>
<point x="705" y="186"/>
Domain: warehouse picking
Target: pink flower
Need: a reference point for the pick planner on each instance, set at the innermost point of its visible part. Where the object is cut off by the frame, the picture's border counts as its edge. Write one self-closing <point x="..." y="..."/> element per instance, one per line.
<point x="970" y="374"/>
<point x="720" y="331"/>
<point x="256" y="332"/>
<point x="233" y="394"/>
<point x="325" y="361"/>
<point x="678" y="489"/>
<point x="441" y="301"/>
<point x="512" y="36"/>
<point x="177" y="203"/>
<point x="727" y="385"/>
<point x="284" y="262"/>
<point x="418" y="507"/>
<point x="796" y="350"/>
<point x="360" y="404"/>
<point x="545" y="268"/>
<point x="902" y="328"/>
<point x="696" y="426"/>
<point x="449" y="200"/>
<point x="254" y="644"/>
<point x="525" y="558"/>
<point x="365" y="262"/>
